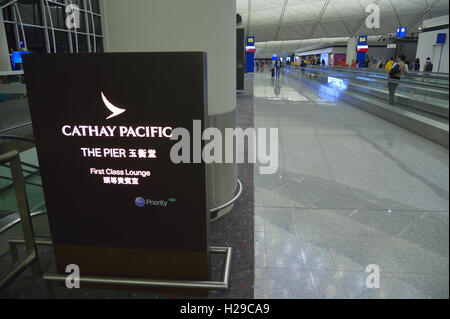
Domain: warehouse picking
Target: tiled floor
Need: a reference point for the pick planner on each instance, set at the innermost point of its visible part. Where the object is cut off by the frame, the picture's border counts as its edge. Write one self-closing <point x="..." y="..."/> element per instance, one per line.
<point x="351" y="190"/>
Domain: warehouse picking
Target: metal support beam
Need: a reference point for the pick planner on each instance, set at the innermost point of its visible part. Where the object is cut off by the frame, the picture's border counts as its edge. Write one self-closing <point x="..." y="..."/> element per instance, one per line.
<point x="319" y="18"/>
<point x="44" y="21"/>
<point x="418" y="17"/>
<point x="280" y="21"/>
<point x="396" y="14"/>
<point x="8" y="4"/>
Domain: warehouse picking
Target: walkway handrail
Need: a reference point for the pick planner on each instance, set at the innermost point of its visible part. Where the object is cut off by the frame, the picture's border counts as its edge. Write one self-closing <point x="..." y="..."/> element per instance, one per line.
<point x="20" y="138"/>
<point x="381" y="79"/>
<point x="17" y="221"/>
<point x="426" y="75"/>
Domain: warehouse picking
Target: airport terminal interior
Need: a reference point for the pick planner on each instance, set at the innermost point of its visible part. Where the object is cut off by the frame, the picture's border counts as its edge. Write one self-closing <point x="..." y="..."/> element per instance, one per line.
<point x="345" y="194"/>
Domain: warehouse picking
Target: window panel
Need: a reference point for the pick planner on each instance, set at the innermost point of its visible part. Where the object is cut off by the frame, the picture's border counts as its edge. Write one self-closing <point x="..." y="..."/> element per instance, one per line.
<point x="35" y="39"/>
<point x="99" y="42"/>
<point x="95" y="6"/>
<point x="98" y="25"/>
<point x="9" y="28"/>
<point x="62" y="42"/>
<point x="29" y="12"/>
<point x="82" y="22"/>
<point x="58" y="16"/>
<point x="82" y="43"/>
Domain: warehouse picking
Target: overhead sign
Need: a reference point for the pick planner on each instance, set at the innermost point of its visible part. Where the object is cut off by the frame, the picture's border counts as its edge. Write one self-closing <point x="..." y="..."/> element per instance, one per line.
<point x="441" y="37"/>
<point x="250" y="50"/>
<point x="401" y="32"/>
<point x="250" y="47"/>
<point x="362" y="45"/>
<point x="16" y="57"/>
<point x="117" y="204"/>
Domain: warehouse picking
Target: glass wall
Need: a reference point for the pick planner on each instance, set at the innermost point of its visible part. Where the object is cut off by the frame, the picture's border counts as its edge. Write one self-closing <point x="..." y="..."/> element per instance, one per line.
<point x="40" y="26"/>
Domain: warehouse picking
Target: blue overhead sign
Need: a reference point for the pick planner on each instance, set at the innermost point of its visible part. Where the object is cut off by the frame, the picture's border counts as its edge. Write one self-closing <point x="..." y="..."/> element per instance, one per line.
<point x="362" y="40"/>
<point x="441" y="38"/>
<point x="362" y="44"/>
<point x="401" y="32"/>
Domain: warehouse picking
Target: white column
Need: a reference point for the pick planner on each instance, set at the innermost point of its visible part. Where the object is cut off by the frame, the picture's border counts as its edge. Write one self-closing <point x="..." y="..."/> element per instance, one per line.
<point x="5" y="64"/>
<point x="352" y="42"/>
<point x="186" y="25"/>
<point x="174" y="25"/>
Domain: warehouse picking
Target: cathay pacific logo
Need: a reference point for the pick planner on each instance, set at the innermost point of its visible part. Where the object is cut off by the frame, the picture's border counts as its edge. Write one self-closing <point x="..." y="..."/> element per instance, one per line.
<point x="114" y="109"/>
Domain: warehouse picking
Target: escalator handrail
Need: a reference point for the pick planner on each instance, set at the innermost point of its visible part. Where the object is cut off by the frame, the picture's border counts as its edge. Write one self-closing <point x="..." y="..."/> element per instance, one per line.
<point x="386" y="79"/>
<point x="421" y="74"/>
<point x="17" y="220"/>
<point x="19" y="138"/>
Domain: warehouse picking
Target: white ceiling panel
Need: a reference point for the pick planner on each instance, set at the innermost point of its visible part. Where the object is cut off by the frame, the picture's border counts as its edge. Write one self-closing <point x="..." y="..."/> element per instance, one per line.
<point x="300" y="16"/>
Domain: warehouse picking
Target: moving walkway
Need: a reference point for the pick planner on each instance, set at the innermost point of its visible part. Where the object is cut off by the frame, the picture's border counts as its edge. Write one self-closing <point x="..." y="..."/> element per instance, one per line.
<point x="421" y="103"/>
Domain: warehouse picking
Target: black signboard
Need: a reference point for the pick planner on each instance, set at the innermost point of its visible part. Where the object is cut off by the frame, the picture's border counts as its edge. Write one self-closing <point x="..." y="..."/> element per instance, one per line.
<point x="117" y="204"/>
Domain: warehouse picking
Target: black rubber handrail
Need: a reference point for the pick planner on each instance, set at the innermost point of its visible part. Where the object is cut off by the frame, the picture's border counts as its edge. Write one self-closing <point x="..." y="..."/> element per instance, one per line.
<point x="427" y="75"/>
<point x="325" y="70"/>
<point x="19" y="138"/>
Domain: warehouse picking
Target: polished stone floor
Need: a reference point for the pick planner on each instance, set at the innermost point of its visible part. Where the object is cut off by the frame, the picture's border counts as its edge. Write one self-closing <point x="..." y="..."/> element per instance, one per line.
<point x="351" y="190"/>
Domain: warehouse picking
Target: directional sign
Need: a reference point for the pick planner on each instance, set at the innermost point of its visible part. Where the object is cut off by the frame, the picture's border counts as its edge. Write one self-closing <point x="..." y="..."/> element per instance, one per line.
<point x="117" y="204"/>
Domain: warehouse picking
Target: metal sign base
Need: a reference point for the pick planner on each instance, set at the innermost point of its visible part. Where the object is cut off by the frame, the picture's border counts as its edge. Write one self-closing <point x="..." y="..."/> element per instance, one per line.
<point x="117" y="281"/>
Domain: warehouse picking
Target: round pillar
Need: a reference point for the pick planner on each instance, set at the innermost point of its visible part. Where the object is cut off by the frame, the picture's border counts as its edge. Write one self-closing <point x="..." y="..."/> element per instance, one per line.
<point x="194" y="25"/>
<point x="352" y="42"/>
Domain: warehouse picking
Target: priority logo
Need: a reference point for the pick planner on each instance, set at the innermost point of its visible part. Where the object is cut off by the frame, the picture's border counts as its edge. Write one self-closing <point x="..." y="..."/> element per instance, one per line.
<point x="141" y="202"/>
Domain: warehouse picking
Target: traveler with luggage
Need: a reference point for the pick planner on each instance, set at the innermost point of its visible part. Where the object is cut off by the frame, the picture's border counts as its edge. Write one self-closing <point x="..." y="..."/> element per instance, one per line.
<point x="278" y="67"/>
<point x="416" y="65"/>
<point x="395" y="74"/>
<point x="428" y="67"/>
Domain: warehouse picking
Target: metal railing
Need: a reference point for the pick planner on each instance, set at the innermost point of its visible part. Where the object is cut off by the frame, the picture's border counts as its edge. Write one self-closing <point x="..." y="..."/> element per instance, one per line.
<point x="375" y="71"/>
<point x="223" y="284"/>
<point x="380" y="79"/>
<point x="24" y="212"/>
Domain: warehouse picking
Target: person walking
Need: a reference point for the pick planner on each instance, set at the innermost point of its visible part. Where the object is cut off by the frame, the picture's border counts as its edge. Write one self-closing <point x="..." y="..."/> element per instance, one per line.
<point x="365" y="62"/>
<point x="380" y="63"/>
<point x="416" y="65"/>
<point x="278" y="67"/>
<point x="395" y="74"/>
<point x="389" y="64"/>
<point x="428" y="67"/>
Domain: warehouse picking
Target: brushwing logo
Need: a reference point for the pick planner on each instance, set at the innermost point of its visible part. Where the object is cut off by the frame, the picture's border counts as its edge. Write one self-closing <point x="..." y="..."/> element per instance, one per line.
<point x="114" y="109"/>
